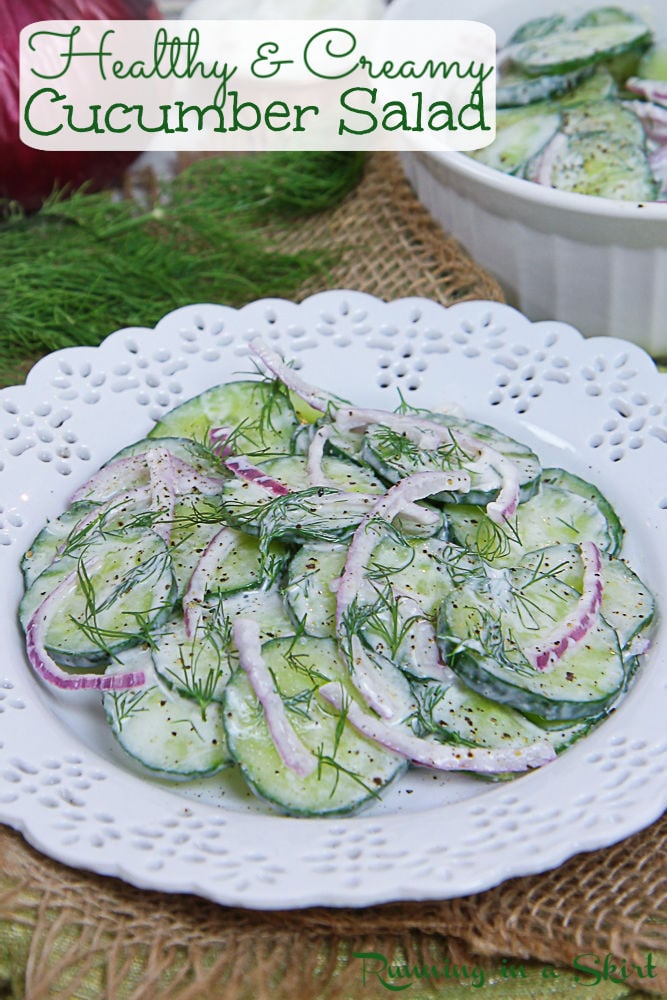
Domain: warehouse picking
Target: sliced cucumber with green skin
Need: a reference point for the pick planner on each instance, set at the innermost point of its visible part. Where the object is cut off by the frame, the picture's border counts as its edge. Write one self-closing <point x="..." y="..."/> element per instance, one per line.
<point x="424" y="569"/>
<point x="308" y="591"/>
<point x="260" y="414"/>
<point x="59" y="534"/>
<point x="166" y="732"/>
<point x="200" y="458"/>
<point x="199" y="666"/>
<point x="120" y="588"/>
<point x="486" y="632"/>
<point x="627" y="605"/>
<point x="343" y="474"/>
<point x="396" y="455"/>
<point x="515" y="89"/>
<point x="602" y="166"/>
<point x="243" y="566"/>
<point x="352" y="770"/>
<point x="196" y="520"/>
<point x="609" y="118"/>
<point x="318" y="514"/>
<point x="580" y="487"/>
<point x="565" y="509"/>
<point x="601" y="86"/>
<point x="566" y="51"/>
<point x="538" y="27"/>
<point x="455" y="713"/>
<point x="599" y="17"/>
<point x="521" y="135"/>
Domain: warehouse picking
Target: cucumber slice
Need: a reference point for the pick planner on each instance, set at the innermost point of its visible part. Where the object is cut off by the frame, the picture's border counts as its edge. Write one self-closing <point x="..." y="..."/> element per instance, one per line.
<point x="565" y="509"/>
<point x="521" y="134"/>
<point x="318" y="514"/>
<point x="199" y="666"/>
<point x="604" y="166"/>
<point x="601" y="86"/>
<point x="352" y="770"/>
<point x="577" y="486"/>
<point x="185" y="449"/>
<point x="516" y="89"/>
<point x="260" y="414"/>
<point x="487" y="631"/>
<point x="166" y="732"/>
<point x="627" y="604"/>
<point x="244" y="566"/>
<point x="60" y="534"/>
<point x="609" y="118"/>
<point x="196" y="520"/>
<point x="424" y="569"/>
<point x="109" y="607"/>
<point x="395" y="456"/>
<point x="347" y="476"/>
<point x="308" y="591"/>
<point x="599" y="17"/>
<point x="538" y="27"/>
<point x="454" y="713"/>
<point x="567" y="51"/>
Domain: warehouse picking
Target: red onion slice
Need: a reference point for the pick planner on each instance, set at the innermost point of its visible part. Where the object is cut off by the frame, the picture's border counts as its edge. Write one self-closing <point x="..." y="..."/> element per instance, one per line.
<point x="273" y="362"/>
<point x="387" y="507"/>
<point x="218" y="437"/>
<point x="439" y="756"/>
<point x="653" y="117"/>
<point x="568" y="633"/>
<point x="124" y="474"/>
<point x="161" y="474"/>
<point x="46" y="667"/>
<point x="314" y="471"/>
<point x="388" y="694"/>
<point x="652" y="90"/>
<point x="429" y="434"/>
<point x="426" y="649"/>
<point x="293" y="753"/>
<point x="243" y="469"/>
<point x="202" y="575"/>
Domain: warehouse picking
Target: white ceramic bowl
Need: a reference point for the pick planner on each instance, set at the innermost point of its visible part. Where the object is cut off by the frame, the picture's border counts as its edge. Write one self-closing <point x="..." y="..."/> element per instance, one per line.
<point x="593" y="262"/>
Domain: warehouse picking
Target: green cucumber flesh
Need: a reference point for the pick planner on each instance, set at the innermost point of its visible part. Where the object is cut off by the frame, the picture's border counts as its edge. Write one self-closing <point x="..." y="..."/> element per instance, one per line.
<point x="352" y="770"/>
<point x="260" y="414"/>
<point x="566" y="51"/>
<point x="486" y="633"/>
<point x="521" y="134"/>
<point x="565" y="509"/>
<point x="603" y="166"/>
<point x="455" y="713"/>
<point x="339" y="472"/>
<point x="395" y="455"/>
<point x="165" y="732"/>
<point x="109" y="607"/>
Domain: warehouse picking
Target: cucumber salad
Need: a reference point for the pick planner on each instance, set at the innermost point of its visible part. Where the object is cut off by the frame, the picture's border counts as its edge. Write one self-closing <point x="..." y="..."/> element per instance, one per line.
<point x="323" y="595"/>
<point x="582" y="106"/>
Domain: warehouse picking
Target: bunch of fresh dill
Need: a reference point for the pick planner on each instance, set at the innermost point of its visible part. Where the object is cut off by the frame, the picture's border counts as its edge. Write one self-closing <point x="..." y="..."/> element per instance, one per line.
<point x="86" y="265"/>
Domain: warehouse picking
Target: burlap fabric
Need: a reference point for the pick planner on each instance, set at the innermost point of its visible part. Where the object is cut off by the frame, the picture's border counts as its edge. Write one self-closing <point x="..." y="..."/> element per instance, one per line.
<point x="69" y="934"/>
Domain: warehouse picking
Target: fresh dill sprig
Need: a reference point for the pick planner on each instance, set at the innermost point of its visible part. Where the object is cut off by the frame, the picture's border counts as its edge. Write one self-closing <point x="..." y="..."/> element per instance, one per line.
<point x="126" y="704"/>
<point x="87" y="265"/>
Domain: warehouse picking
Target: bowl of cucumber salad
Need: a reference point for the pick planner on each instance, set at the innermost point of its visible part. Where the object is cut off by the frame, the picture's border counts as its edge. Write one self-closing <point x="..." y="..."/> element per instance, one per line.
<point x="290" y="580"/>
<point x="567" y="205"/>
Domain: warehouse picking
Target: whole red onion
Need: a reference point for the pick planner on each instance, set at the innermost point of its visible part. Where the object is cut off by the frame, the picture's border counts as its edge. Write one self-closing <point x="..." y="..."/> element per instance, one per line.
<point x="29" y="175"/>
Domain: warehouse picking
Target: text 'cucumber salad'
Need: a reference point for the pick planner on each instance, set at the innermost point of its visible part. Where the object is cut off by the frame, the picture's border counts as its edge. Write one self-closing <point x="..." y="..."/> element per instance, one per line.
<point x="582" y="106"/>
<point x="323" y="595"/>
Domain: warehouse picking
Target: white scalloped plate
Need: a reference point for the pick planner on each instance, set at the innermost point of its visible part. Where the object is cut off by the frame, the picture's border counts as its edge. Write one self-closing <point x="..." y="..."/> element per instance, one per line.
<point x="597" y="407"/>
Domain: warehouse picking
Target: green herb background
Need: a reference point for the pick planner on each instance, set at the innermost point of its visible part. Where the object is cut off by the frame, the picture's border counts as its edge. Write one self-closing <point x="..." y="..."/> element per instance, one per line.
<point x="89" y="264"/>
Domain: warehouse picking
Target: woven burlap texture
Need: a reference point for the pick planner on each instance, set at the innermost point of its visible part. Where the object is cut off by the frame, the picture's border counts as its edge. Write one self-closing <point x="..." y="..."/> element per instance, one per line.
<point x="74" y="935"/>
